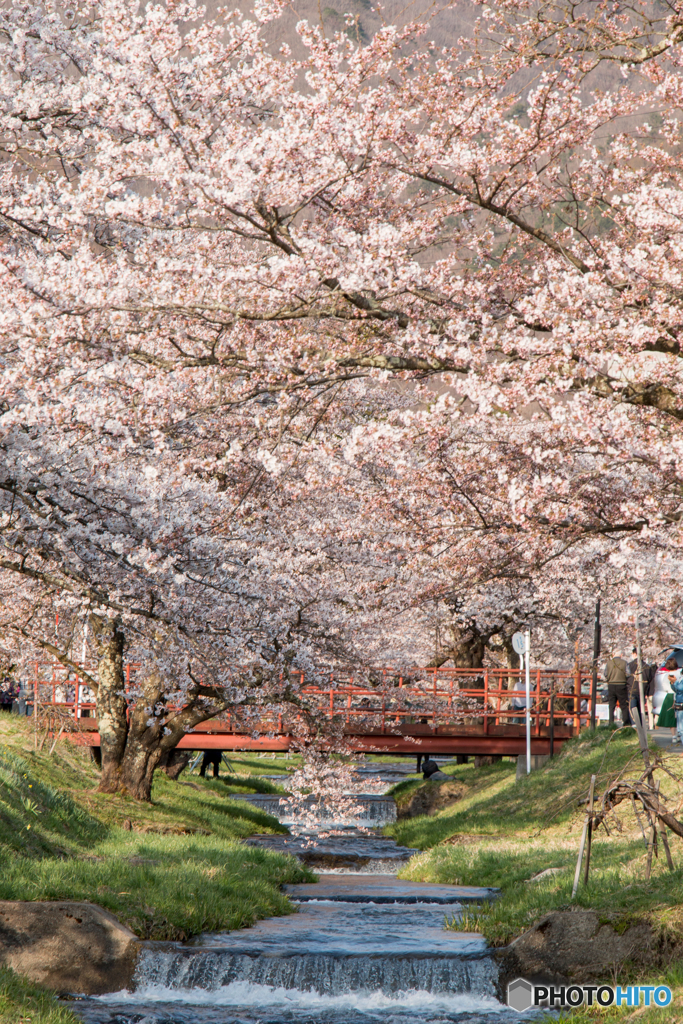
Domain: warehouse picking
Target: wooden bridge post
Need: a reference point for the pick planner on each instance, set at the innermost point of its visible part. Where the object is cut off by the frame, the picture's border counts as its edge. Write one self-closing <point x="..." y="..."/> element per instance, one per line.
<point x="551" y="703"/>
<point x="577" y="701"/>
<point x="434" y="700"/>
<point x="486" y="703"/>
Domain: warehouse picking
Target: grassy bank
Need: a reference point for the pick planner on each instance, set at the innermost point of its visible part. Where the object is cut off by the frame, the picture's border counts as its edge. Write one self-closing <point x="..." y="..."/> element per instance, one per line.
<point x="168" y="869"/>
<point x="502" y="833"/>
<point x="671" y="1014"/>
<point x="21" y="1002"/>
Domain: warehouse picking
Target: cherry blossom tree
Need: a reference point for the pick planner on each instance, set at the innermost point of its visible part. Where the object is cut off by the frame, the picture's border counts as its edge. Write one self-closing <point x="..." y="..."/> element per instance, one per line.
<point x="213" y="608"/>
<point x="228" y="272"/>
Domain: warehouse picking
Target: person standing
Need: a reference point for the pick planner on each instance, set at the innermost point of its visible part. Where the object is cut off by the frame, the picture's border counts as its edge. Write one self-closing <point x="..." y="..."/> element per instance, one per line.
<point x="667" y="715"/>
<point x="616" y="672"/>
<point x="7" y="693"/>
<point x="677" y="687"/>
<point x="211" y="757"/>
<point x="633" y="683"/>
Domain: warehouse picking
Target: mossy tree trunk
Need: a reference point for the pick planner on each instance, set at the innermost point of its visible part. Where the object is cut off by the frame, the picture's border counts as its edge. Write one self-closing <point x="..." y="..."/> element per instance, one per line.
<point x="138" y="736"/>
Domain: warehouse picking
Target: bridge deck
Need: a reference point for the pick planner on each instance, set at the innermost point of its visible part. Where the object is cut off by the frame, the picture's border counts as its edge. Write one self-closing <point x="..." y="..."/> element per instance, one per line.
<point x="509" y="741"/>
<point x="453" y="711"/>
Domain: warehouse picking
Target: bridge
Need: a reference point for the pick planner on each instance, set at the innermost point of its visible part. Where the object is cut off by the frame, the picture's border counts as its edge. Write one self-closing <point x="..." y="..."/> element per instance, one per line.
<point x="427" y="711"/>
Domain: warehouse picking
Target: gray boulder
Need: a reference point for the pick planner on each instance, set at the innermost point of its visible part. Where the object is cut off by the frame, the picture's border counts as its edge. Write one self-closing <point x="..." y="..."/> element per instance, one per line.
<point x="68" y="947"/>
<point x="581" y="947"/>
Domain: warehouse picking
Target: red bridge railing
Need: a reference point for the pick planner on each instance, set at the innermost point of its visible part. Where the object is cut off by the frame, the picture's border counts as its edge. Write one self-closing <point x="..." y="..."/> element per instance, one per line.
<point x="386" y="701"/>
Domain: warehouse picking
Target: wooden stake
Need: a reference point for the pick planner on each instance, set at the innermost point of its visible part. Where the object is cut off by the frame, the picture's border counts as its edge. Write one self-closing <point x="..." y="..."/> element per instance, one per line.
<point x="665" y="841"/>
<point x="577" y="873"/>
<point x="56" y="740"/>
<point x="637" y="817"/>
<point x="641" y="691"/>
<point x="667" y="851"/>
<point x="642" y="740"/>
<point x="652" y="844"/>
<point x="590" y="832"/>
<point x="650" y="848"/>
<point x="45" y="737"/>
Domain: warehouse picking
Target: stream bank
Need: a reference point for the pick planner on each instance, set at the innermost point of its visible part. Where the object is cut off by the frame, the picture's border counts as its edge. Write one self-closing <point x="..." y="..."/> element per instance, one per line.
<point x="60" y="839"/>
<point x="364" y="948"/>
<point x="522" y="836"/>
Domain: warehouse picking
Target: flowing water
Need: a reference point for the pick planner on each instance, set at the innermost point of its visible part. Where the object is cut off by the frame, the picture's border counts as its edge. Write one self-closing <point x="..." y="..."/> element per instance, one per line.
<point x="364" y="948"/>
<point x="373" y="811"/>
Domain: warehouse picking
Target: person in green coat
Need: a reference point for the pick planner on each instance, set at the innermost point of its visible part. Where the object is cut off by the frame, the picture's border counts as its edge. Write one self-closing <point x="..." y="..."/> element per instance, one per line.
<point x="667" y="715"/>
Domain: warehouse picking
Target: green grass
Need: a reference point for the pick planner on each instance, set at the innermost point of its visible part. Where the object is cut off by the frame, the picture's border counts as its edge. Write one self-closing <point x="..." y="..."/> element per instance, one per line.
<point x="168" y="870"/>
<point x="162" y="887"/>
<point x="38" y="818"/>
<point x="503" y="832"/>
<point x="70" y="777"/>
<point x="672" y="1014"/>
<point x="616" y="889"/>
<point x="21" y="1001"/>
<point x="497" y="804"/>
<point x="402" y="790"/>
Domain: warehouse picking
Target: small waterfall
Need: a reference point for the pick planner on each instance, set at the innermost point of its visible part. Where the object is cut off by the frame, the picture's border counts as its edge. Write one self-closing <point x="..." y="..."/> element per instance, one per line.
<point x="265" y="802"/>
<point x="375" y="810"/>
<point x="380" y="810"/>
<point x="324" y="974"/>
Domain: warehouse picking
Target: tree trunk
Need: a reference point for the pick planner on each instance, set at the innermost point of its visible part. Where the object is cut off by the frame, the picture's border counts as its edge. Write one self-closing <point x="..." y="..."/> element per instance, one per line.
<point x="130" y="749"/>
<point x="111" y="701"/>
<point x="147" y="746"/>
<point x="139" y="762"/>
<point x="466" y="650"/>
<point x="175" y="762"/>
<point x="135" y="740"/>
<point x="154" y="731"/>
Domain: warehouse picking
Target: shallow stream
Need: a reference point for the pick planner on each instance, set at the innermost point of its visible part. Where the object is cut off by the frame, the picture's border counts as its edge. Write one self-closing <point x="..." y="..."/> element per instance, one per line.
<point x="364" y="948"/>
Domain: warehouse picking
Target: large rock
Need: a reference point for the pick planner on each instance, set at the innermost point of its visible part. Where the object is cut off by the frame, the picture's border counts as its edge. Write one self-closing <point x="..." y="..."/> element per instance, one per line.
<point x="69" y="947"/>
<point x="580" y="946"/>
<point x="431" y="797"/>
